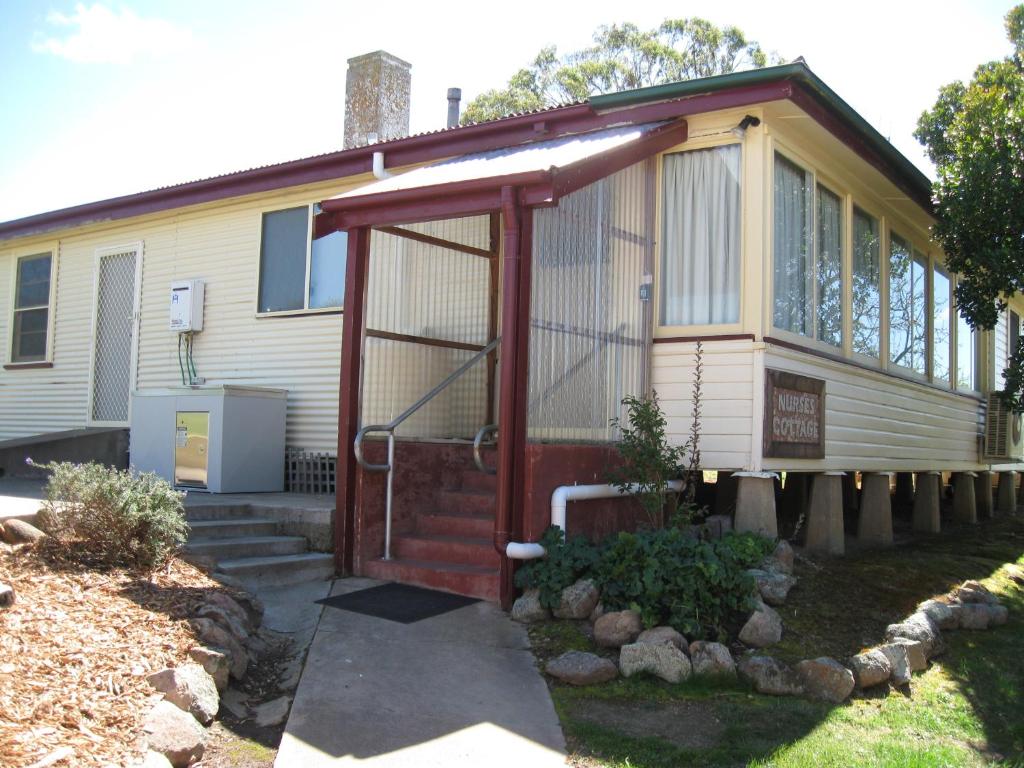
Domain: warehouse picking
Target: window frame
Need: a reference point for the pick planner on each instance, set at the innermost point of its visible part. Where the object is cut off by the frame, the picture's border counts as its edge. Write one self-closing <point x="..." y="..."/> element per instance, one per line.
<point x="977" y="385"/>
<point x="880" y="219"/>
<point x="711" y="329"/>
<point x="53" y="251"/>
<point x="305" y="309"/>
<point x="936" y="266"/>
<point x="916" y="255"/>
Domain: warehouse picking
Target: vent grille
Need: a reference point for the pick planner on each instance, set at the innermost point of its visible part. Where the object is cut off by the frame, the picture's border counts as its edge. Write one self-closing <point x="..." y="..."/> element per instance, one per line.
<point x="1002" y="431"/>
<point x="310" y="472"/>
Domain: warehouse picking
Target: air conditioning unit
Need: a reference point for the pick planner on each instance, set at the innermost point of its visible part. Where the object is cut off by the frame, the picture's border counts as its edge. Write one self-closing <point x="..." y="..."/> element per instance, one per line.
<point x="1004" y="435"/>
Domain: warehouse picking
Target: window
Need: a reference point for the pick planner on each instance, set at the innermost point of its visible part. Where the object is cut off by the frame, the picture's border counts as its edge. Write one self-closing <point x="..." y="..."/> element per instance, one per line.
<point x="793" y="288"/>
<point x="829" y="269"/>
<point x="941" y="331"/>
<point x="867" y="285"/>
<point x="31" y="308"/>
<point x="1014" y="336"/>
<point x="907" y="303"/>
<point x="966" y="355"/>
<point x="297" y="272"/>
<point x="700" y="261"/>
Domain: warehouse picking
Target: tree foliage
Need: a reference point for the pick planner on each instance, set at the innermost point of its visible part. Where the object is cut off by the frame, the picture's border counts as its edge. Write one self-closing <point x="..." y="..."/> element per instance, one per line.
<point x="622" y="57"/>
<point x="975" y="136"/>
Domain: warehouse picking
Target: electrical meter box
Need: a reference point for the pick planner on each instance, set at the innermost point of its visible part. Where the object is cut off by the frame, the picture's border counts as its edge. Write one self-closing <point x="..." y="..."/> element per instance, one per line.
<point x="187" y="305"/>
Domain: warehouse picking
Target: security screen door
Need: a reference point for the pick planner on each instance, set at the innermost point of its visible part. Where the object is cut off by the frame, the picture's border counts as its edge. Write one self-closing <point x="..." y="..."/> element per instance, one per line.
<point x="113" y="359"/>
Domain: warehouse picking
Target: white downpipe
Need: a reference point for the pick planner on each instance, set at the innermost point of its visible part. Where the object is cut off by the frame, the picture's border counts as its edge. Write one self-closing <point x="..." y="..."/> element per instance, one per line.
<point x="563" y="495"/>
<point x="378" y="166"/>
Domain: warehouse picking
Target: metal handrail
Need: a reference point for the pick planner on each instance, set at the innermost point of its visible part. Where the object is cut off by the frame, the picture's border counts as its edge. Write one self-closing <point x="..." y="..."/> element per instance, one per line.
<point x="477" y="442"/>
<point x="392" y="425"/>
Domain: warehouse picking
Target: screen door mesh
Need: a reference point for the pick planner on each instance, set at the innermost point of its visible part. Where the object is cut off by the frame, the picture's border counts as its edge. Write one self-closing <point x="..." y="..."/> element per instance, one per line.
<point x="115" y="306"/>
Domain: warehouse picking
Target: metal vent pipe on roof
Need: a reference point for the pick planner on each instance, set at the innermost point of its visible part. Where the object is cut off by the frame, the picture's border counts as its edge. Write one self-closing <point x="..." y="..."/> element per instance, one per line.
<point x="454" y="97"/>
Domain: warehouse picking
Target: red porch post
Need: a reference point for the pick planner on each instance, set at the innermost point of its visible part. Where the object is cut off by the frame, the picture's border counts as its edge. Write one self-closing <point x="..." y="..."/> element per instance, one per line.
<point x="353" y="322"/>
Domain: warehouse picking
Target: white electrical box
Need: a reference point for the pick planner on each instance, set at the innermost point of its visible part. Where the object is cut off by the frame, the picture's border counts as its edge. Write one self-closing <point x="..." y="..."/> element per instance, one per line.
<point x="187" y="305"/>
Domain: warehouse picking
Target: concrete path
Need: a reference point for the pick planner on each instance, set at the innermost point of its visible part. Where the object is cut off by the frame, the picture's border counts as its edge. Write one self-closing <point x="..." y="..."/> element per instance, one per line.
<point x="459" y="689"/>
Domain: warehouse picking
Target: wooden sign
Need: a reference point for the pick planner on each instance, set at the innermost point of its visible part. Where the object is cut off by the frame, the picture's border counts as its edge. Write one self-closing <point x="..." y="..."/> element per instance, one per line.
<point x="794" y="416"/>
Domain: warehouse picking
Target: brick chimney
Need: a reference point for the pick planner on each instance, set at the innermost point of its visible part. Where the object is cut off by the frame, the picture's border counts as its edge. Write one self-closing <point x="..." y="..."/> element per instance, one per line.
<point x="376" y="99"/>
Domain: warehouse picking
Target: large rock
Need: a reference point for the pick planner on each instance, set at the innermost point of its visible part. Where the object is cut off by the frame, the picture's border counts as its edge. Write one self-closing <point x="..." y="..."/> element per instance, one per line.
<point x="975" y="592"/>
<point x="870" y="668"/>
<point x="272" y="712"/>
<point x="212" y="633"/>
<point x="826" y="679"/>
<point x="527" y="608"/>
<point x="916" y="656"/>
<point x="617" y="628"/>
<point x="19" y="532"/>
<point x="770" y="676"/>
<point x="780" y="560"/>
<point x="772" y="586"/>
<point x="763" y="628"/>
<point x="7" y="596"/>
<point x="711" y="659"/>
<point x="975" y="616"/>
<point x="174" y="734"/>
<point x="998" y="615"/>
<point x="920" y="628"/>
<point x="899" y="662"/>
<point x="227" y="621"/>
<point x="231" y="607"/>
<point x="577" y="600"/>
<point x="154" y="760"/>
<point x="580" y="668"/>
<point x="215" y="662"/>
<point x="665" y="661"/>
<point x="662" y="635"/>
<point x="189" y="688"/>
<point x="943" y="614"/>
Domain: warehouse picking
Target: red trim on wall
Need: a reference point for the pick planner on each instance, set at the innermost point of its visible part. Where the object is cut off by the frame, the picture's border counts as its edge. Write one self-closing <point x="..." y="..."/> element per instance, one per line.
<point x="711" y="337"/>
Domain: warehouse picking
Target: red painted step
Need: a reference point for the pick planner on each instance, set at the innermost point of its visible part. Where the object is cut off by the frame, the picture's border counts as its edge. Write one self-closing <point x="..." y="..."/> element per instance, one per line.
<point x="467" y="502"/>
<point x="446" y="549"/>
<point x="469" y="580"/>
<point x="445" y="524"/>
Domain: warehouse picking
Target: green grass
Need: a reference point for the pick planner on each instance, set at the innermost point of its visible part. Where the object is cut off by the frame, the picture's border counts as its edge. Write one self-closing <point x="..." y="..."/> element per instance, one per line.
<point x="966" y="710"/>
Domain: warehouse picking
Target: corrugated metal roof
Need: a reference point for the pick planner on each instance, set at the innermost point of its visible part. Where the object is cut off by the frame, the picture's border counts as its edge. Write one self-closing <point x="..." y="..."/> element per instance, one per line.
<point x="509" y="161"/>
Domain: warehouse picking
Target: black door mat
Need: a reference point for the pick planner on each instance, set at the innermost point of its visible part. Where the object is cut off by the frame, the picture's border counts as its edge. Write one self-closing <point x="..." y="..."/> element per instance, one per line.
<point x="398" y="602"/>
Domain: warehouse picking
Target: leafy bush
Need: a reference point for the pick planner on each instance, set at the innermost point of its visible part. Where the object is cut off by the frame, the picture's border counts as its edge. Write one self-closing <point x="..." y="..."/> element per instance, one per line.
<point x="564" y="563"/>
<point x="100" y="516"/>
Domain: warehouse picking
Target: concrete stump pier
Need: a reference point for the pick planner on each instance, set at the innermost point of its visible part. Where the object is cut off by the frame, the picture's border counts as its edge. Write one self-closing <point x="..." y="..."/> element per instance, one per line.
<point x="983" y="494"/>
<point x="755" y="503"/>
<point x="926" y="502"/>
<point x="874" y="524"/>
<point x="1006" y="493"/>
<point x="965" y="509"/>
<point x="825" y="515"/>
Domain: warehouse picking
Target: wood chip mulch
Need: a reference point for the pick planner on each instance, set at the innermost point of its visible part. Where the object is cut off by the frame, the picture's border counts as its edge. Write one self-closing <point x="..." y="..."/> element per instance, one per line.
<point x="75" y="650"/>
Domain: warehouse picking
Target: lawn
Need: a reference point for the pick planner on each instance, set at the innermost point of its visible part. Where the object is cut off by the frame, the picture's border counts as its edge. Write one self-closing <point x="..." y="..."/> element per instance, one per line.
<point x="966" y="710"/>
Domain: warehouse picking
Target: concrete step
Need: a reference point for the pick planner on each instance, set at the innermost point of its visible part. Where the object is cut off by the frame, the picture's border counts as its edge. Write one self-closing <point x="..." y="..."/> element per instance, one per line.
<point x="446" y="549"/>
<point x="475" y="480"/>
<point x="217" y="511"/>
<point x="280" y="570"/>
<point x="469" y="580"/>
<point x="446" y="524"/>
<point x="247" y="546"/>
<point x="232" y="529"/>
<point x="467" y="502"/>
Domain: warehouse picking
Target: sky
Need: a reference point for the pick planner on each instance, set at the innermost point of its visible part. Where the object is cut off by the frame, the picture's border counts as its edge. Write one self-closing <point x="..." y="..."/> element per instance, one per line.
<point x="100" y="99"/>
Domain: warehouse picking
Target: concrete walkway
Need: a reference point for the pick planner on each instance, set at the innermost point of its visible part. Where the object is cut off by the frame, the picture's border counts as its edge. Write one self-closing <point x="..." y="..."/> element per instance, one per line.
<point x="460" y="689"/>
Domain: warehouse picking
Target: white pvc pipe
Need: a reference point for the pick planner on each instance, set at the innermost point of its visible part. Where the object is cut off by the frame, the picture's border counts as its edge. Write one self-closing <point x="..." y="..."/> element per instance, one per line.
<point x="562" y="495"/>
<point x="378" y="166"/>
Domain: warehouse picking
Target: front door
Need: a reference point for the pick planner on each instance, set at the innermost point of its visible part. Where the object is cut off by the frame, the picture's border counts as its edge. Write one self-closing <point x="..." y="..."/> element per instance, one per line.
<point x="114" y="332"/>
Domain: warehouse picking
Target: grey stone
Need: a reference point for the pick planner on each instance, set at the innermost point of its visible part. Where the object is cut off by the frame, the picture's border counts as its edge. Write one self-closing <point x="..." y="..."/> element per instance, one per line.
<point x="662" y="635"/>
<point x="212" y="633"/>
<point x="231" y="607"/>
<point x="578" y="600"/>
<point x="527" y="608"/>
<point x="617" y="628"/>
<point x="920" y="628"/>
<point x="780" y="560"/>
<point x="273" y="712"/>
<point x="975" y="616"/>
<point x="291" y="672"/>
<point x="227" y="621"/>
<point x="7" y="596"/>
<point x="997" y="615"/>
<point x="155" y="760"/>
<point x="944" y="615"/>
<point x="216" y="663"/>
<point x="826" y="679"/>
<point x="763" y="628"/>
<point x="665" y="661"/>
<point x="235" y="702"/>
<point x="711" y="659"/>
<point x="580" y="668"/>
<point x="19" y="532"/>
<point x="174" y="734"/>
<point x="916" y="656"/>
<point x="772" y="586"/>
<point x="597" y="613"/>
<point x="770" y="676"/>
<point x="975" y="592"/>
<point x="870" y="668"/>
<point x="899" y="662"/>
<point x="189" y="688"/>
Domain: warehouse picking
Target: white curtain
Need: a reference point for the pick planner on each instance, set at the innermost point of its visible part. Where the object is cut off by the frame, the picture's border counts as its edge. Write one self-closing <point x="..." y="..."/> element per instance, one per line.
<point x="791" y="225"/>
<point x="700" y="255"/>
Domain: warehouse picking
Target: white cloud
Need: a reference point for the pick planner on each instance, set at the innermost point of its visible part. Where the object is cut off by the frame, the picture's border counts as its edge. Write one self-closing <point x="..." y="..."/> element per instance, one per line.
<point x="97" y="34"/>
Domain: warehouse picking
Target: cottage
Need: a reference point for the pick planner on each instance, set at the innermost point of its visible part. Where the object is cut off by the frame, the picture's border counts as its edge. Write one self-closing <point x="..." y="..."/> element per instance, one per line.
<point x="486" y="295"/>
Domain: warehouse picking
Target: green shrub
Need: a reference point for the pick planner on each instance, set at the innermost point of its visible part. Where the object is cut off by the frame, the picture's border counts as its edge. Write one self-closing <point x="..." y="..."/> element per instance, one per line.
<point x="564" y="563"/>
<point x="100" y="516"/>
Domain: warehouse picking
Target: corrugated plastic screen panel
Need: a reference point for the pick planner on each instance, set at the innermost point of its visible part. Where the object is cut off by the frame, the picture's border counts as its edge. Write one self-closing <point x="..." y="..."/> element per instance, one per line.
<point x="589" y="308"/>
<point x="419" y="289"/>
<point x="115" y="307"/>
